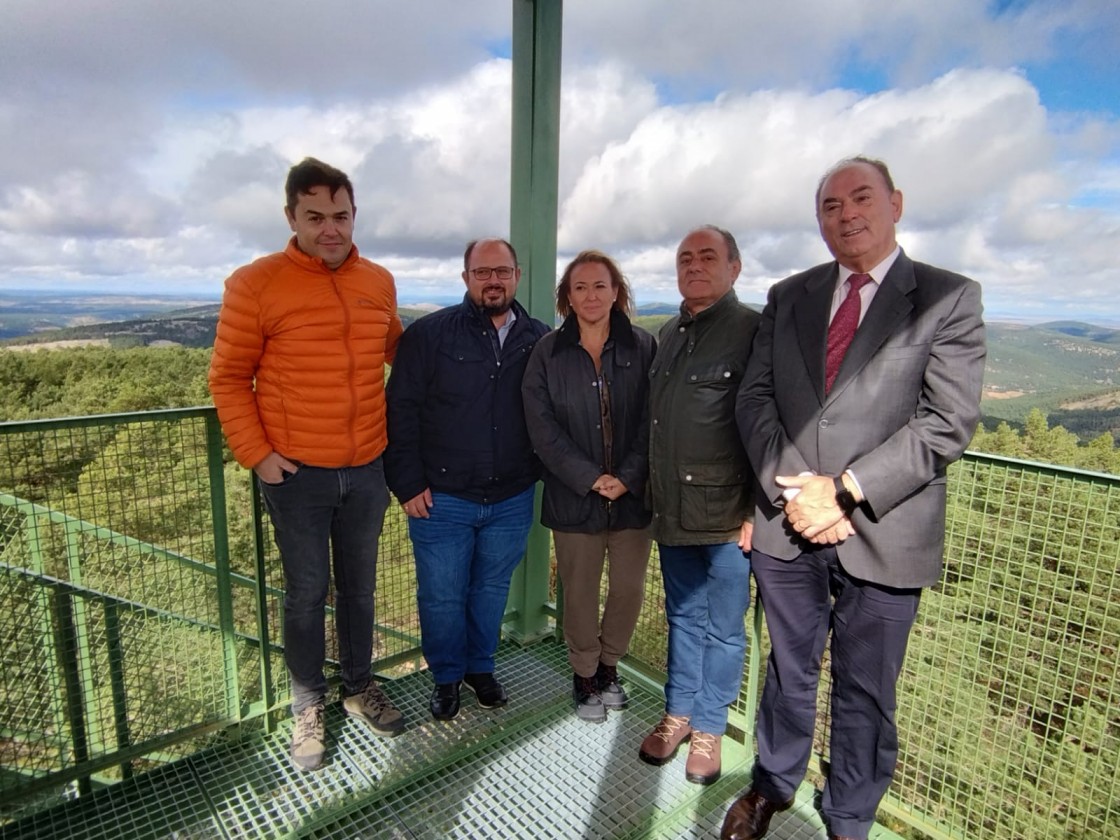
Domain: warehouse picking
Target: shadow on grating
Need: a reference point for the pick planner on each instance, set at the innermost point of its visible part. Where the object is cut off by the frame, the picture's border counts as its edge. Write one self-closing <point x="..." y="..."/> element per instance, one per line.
<point x="530" y="770"/>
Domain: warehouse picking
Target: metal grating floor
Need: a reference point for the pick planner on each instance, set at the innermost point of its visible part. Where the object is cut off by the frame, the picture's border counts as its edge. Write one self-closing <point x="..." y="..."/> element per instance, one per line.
<point x="530" y="770"/>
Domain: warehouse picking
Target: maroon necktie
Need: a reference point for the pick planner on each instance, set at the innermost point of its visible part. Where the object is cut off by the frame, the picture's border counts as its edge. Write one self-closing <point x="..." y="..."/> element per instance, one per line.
<point x="843" y="329"/>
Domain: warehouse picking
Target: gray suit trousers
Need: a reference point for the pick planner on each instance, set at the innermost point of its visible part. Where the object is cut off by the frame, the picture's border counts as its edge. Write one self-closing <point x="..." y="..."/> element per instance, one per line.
<point x="804" y="599"/>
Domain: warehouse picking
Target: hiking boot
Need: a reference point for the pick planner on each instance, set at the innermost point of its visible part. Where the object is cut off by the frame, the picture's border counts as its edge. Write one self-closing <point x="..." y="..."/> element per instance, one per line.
<point x="703" y="764"/>
<point x="589" y="705"/>
<point x="661" y="745"/>
<point x="487" y="690"/>
<point x="372" y="707"/>
<point x="309" y="738"/>
<point x="610" y="686"/>
<point x="445" y="701"/>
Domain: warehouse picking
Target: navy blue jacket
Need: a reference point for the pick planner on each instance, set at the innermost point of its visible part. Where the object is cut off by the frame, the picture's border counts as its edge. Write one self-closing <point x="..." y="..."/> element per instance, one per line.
<point x="456" y="421"/>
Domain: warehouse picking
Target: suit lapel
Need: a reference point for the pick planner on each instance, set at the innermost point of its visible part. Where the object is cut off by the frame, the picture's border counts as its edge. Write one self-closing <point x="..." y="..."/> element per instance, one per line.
<point x="890" y="307"/>
<point x="811" y="316"/>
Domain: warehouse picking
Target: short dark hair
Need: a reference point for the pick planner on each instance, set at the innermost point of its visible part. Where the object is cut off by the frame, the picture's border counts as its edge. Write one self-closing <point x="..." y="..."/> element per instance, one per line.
<point x="310" y="173"/>
<point x="876" y="164"/>
<point x="473" y="242"/>
<point x="623" y="300"/>
<point x="733" y="254"/>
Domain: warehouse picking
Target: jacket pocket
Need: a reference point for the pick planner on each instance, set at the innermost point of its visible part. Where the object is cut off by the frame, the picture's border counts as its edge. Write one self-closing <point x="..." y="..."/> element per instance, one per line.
<point x="713" y="496"/>
<point x="561" y="508"/>
<point x="721" y="374"/>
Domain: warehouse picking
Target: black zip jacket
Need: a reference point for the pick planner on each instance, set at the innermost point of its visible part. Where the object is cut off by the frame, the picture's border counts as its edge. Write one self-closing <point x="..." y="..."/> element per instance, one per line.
<point x="455" y="420"/>
<point x="562" y="410"/>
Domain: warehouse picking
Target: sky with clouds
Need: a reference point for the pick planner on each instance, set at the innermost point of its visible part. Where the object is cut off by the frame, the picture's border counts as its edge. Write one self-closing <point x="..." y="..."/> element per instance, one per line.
<point x="143" y="146"/>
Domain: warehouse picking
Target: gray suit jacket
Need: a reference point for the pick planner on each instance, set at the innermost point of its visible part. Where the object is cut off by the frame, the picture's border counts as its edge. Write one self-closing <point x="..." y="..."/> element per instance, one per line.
<point x="903" y="407"/>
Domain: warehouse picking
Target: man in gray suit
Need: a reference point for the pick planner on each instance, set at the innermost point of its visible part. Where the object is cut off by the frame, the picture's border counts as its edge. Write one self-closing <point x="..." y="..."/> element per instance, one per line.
<point x="850" y="423"/>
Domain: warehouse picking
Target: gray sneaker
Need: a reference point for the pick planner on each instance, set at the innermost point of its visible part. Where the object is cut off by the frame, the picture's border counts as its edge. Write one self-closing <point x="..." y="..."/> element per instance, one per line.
<point x="309" y="738"/>
<point x="610" y="687"/>
<point x="372" y="707"/>
<point x="589" y="706"/>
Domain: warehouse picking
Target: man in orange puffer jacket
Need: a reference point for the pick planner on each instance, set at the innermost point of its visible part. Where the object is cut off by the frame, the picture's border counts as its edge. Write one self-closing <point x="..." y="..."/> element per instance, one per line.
<point x="298" y="379"/>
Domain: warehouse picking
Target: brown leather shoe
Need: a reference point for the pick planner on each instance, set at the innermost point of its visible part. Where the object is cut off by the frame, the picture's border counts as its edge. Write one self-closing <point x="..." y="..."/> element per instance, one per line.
<point x="702" y="767"/>
<point x="749" y="817"/>
<point x="661" y="745"/>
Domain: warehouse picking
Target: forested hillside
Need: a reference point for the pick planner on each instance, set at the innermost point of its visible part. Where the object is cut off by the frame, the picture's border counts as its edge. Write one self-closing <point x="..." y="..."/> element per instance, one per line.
<point x="102" y="380"/>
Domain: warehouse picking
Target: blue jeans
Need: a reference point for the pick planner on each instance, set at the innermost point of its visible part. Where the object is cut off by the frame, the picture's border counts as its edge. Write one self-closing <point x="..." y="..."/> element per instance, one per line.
<point x="465" y="556"/>
<point x="707" y="592"/>
<point x="318" y="515"/>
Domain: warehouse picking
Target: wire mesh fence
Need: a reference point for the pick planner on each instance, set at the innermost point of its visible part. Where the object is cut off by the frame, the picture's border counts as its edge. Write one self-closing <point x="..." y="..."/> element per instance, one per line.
<point x="1009" y="709"/>
<point x="141" y="597"/>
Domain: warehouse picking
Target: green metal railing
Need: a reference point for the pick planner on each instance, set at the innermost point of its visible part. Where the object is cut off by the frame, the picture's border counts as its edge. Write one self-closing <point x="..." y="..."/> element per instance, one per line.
<point x="140" y="596"/>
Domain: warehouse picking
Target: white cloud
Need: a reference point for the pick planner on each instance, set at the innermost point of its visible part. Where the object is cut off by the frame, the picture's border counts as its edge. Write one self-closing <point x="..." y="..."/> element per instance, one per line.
<point x="148" y="142"/>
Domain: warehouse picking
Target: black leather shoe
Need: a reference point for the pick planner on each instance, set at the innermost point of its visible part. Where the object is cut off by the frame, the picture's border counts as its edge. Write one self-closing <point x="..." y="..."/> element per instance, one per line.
<point x="445" y="701"/>
<point x="487" y="690"/>
<point x="749" y="817"/>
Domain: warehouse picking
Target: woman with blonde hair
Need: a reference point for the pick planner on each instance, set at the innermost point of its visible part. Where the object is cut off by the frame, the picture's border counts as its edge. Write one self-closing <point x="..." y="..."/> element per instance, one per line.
<point x="585" y="393"/>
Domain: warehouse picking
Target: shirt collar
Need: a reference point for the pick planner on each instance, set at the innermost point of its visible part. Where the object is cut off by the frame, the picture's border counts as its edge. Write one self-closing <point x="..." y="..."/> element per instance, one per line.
<point x="877" y="274"/>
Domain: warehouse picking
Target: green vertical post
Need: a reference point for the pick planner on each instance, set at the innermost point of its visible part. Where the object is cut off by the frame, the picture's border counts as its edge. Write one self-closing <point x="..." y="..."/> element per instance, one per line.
<point x="67" y="644"/>
<point x="83" y="650"/>
<point x="48" y="647"/>
<point x="534" y="186"/>
<point x="268" y="688"/>
<point x="217" y="477"/>
<point x="117" y="684"/>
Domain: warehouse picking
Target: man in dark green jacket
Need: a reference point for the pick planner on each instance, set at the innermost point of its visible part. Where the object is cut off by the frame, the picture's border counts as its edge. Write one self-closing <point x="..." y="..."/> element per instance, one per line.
<point x="700" y="492"/>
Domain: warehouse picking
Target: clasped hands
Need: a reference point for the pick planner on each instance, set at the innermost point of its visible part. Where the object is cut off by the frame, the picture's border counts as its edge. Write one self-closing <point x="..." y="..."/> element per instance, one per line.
<point x="609" y="486"/>
<point x="813" y="511"/>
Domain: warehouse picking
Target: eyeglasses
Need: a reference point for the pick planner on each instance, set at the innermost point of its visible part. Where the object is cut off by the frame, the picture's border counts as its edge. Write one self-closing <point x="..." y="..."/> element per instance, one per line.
<point x="504" y="272"/>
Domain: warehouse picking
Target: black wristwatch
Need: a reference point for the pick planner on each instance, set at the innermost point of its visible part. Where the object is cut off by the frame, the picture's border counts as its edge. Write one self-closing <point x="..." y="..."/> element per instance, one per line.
<point x="844" y="497"/>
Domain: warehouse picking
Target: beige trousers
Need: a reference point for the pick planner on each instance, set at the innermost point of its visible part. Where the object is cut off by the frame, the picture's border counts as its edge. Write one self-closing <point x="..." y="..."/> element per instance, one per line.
<point x="579" y="562"/>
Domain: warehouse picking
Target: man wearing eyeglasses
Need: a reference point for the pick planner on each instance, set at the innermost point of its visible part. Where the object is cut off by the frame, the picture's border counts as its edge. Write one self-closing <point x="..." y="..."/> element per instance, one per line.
<point x="461" y="465"/>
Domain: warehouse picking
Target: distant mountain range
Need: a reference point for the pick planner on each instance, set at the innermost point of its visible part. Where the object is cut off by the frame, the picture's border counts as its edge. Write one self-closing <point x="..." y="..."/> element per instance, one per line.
<point x="1069" y="369"/>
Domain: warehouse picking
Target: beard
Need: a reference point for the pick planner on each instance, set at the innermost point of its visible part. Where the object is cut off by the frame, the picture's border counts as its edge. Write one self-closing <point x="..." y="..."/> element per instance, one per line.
<point x="495" y="304"/>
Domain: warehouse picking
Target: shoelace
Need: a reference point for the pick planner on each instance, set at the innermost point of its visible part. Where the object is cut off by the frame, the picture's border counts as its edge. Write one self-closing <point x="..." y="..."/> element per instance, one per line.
<point x="668" y="727"/>
<point x="702" y="743"/>
<point x="375" y="698"/>
<point x="307" y="725"/>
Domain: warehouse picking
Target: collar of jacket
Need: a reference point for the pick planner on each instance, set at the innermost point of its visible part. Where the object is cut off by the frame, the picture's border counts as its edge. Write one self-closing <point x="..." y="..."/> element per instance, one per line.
<point x="567" y="335"/>
<point x="726" y="302"/>
<point x="310" y="263"/>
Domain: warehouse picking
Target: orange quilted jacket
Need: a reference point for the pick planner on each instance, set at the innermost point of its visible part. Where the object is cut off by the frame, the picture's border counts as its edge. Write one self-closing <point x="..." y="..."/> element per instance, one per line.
<point x="298" y="363"/>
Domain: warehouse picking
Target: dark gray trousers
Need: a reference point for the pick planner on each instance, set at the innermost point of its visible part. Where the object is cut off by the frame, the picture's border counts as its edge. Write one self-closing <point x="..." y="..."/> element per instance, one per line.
<point x="804" y="599"/>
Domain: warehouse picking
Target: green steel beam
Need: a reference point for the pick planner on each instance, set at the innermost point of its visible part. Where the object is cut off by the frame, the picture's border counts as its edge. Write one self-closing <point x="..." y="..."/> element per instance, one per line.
<point x="72" y="683"/>
<point x="221" y="564"/>
<point x="534" y="186"/>
<point x="44" y="608"/>
<point x="83" y="650"/>
<point x="268" y="687"/>
<point x="117" y="684"/>
<point x="534" y="183"/>
<point x="88" y="529"/>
